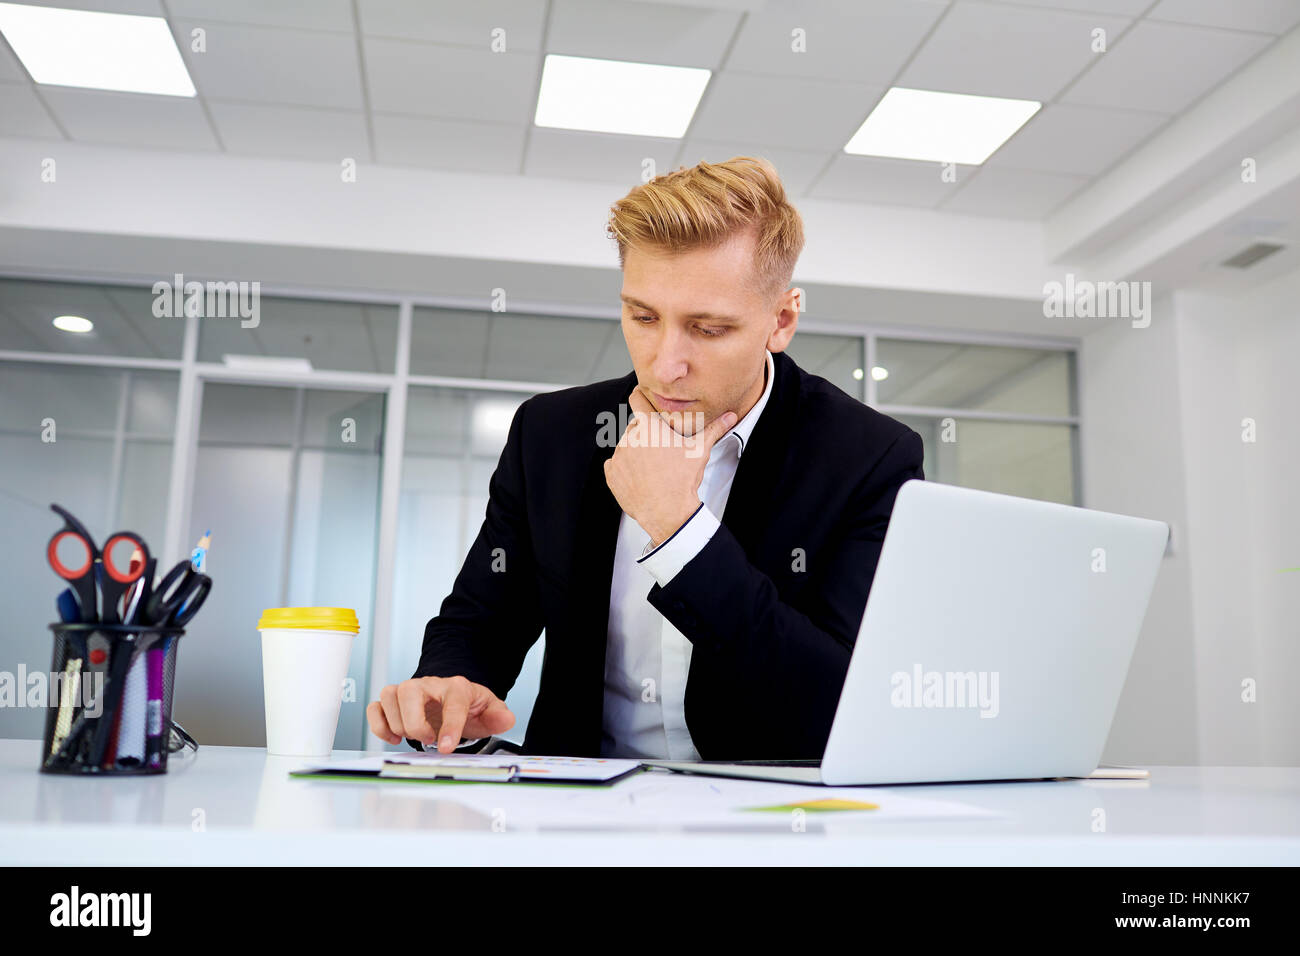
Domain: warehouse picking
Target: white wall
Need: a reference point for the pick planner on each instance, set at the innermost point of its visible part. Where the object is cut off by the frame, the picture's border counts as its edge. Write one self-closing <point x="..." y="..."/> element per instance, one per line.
<point x="1241" y="358"/>
<point x="1133" y="463"/>
<point x="189" y="196"/>
<point x="1162" y="437"/>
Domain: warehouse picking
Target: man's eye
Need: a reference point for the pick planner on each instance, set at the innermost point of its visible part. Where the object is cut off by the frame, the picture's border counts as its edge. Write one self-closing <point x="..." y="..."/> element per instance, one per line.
<point x="712" y="333"/>
<point x="644" y="318"/>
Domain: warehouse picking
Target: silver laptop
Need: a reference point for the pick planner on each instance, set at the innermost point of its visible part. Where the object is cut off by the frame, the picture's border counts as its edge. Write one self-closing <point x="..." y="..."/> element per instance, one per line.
<point x="994" y="644"/>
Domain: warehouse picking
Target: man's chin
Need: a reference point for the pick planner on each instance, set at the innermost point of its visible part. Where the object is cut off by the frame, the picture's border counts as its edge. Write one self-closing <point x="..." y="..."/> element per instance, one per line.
<point x="686" y="423"/>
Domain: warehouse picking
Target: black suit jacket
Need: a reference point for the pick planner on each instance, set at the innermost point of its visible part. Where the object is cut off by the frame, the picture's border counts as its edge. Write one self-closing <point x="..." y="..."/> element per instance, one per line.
<point x="771" y="605"/>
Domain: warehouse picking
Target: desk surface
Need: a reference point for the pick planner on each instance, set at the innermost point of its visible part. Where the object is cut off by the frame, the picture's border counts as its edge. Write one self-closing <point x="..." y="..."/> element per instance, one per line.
<point x="252" y="812"/>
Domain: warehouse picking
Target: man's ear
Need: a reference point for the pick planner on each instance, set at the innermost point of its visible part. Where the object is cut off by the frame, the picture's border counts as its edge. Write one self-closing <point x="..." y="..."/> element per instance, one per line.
<point x="790" y="304"/>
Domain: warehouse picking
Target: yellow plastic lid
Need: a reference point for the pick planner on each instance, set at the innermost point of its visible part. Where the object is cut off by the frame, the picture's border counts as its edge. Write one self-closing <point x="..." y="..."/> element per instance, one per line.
<point x="310" y="618"/>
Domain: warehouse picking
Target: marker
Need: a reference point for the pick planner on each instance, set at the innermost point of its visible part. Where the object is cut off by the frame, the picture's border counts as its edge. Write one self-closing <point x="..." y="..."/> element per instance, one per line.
<point x="153" y="717"/>
<point x="70" y="683"/>
<point x="126" y="749"/>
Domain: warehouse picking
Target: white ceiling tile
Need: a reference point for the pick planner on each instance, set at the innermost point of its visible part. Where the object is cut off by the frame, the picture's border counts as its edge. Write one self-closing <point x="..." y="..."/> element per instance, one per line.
<point x="603" y="157"/>
<point x="130" y="119"/>
<point x="1016" y="52"/>
<point x="1123" y="8"/>
<point x="891" y="181"/>
<point x="796" y="168"/>
<point x="740" y="6"/>
<point x="274" y="65"/>
<point x="21" y="114"/>
<point x="1076" y="139"/>
<point x="447" y="144"/>
<point x="425" y="79"/>
<point x="1013" y="193"/>
<point x="335" y="15"/>
<point x="455" y="21"/>
<point x="283" y="78"/>
<point x="1164" y="67"/>
<point x="865" y="43"/>
<point x="141" y="8"/>
<point x="640" y="32"/>
<point x="1267" y="16"/>
<point x="291" y="132"/>
<point x="793" y="112"/>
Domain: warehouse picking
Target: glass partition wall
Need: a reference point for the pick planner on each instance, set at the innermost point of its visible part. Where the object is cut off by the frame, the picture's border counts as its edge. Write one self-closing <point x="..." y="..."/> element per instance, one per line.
<point x="340" y="454"/>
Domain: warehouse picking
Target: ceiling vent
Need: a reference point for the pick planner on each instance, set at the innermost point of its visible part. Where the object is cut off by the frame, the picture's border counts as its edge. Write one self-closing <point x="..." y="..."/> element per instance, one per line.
<point x="1252" y="254"/>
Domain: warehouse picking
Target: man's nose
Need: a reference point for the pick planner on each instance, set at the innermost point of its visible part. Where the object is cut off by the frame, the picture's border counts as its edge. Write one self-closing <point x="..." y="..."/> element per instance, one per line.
<point x="672" y="361"/>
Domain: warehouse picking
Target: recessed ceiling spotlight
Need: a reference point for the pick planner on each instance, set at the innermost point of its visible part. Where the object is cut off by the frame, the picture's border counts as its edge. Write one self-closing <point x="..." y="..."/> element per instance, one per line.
<point x="73" y="323"/>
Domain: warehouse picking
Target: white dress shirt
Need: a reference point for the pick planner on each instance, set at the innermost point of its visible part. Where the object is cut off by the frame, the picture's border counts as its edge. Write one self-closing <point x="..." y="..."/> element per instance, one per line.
<point x="646" y="658"/>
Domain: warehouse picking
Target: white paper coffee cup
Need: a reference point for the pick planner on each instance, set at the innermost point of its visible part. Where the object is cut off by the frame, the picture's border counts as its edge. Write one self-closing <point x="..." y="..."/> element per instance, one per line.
<point x="305" y="655"/>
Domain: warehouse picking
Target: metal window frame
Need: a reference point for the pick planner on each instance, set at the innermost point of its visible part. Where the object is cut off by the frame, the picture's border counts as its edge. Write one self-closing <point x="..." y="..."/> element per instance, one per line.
<point x="396" y="387"/>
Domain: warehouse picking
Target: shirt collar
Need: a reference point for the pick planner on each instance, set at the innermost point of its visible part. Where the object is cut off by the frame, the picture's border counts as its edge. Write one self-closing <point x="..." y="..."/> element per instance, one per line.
<point x="745" y="427"/>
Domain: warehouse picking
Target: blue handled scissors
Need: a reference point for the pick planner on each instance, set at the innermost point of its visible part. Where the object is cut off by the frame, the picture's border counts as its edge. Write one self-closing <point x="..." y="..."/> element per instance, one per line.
<point x="178" y="596"/>
<point x="100" y="568"/>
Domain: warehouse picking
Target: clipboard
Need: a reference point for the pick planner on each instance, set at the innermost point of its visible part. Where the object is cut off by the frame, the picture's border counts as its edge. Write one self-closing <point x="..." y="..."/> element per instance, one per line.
<point x="500" y="766"/>
<point x="500" y="761"/>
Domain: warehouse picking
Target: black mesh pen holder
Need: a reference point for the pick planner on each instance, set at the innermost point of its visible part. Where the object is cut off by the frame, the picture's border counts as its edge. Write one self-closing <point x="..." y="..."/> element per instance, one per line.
<point x="110" y="703"/>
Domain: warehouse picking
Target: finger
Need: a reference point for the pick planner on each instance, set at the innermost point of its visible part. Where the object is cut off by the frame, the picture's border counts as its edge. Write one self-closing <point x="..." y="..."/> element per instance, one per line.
<point x="657" y="426"/>
<point x="710" y="433"/>
<point x="379" y="724"/>
<point x="635" y="421"/>
<point x="497" y="718"/>
<point x="455" y="710"/>
<point x="641" y="403"/>
<point x="647" y="417"/>
<point x="392" y="712"/>
<point x="414" y="697"/>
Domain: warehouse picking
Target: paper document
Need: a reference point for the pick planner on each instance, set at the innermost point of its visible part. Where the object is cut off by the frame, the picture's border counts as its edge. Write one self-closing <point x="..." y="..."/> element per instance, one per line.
<point x="665" y="801"/>
<point x="480" y="766"/>
<point x="624" y="799"/>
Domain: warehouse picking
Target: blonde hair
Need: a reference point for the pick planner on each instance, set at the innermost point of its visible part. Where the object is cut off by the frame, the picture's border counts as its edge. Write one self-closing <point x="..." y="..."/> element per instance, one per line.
<point x="707" y="204"/>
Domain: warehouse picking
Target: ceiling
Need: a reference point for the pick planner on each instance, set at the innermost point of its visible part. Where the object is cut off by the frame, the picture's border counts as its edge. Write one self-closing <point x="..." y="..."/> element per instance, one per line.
<point x="414" y="83"/>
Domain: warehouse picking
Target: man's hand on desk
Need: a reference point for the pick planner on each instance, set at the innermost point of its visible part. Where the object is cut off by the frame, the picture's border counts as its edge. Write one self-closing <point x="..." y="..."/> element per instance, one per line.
<point x="655" y="471"/>
<point x="442" y="709"/>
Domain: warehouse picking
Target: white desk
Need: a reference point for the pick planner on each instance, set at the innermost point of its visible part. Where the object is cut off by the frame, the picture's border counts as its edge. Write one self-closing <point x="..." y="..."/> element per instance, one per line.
<point x="253" y="812"/>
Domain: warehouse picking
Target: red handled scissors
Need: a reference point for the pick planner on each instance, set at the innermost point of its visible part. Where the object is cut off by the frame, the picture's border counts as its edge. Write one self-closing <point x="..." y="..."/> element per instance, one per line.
<point x="111" y="570"/>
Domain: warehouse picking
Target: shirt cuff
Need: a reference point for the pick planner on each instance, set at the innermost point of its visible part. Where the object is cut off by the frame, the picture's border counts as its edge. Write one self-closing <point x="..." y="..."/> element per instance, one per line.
<point x="686" y="542"/>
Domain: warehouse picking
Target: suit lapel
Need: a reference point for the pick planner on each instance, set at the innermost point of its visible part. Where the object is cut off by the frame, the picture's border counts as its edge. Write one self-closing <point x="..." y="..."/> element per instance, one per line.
<point x="750" y="502"/>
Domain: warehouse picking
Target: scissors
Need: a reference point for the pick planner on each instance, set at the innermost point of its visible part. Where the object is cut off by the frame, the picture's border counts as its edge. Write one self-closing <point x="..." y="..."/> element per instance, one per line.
<point x="99" y="568"/>
<point x="178" y="596"/>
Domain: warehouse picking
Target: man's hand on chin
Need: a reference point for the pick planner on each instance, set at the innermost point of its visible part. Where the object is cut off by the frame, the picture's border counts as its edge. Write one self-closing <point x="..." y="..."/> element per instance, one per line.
<point x="655" y="471"/>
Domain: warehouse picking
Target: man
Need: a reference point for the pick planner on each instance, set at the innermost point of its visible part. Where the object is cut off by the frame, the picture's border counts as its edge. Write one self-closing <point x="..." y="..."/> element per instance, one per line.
<point x="701" y="573"/>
